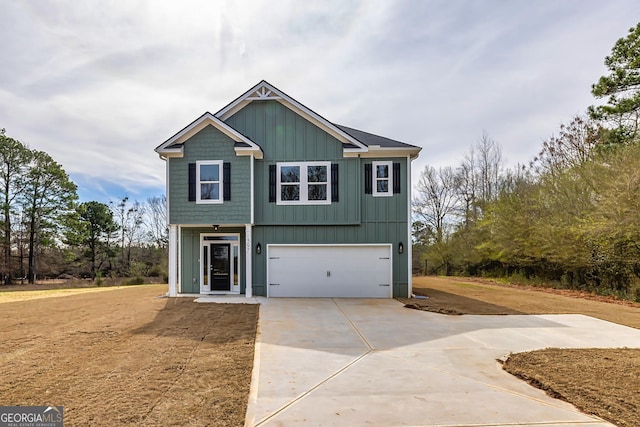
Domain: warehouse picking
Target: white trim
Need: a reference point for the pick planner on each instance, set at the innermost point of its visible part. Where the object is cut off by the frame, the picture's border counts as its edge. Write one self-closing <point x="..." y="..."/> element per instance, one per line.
<point x="293" y="105"/>
<point x="409" y="244"/>
<point x="377" y="151"/>
<point x="179" y="258"/>
<point x="303" y="184"/>
<point x="374" y="178"/>
<point x="209" y="225"/>
<point x="328" y="245"/>
<point x="248" y="236"/>
<point x="220" y="182"/>
<point x="173" y="261"/>
<point x="196" y="126"/>
<point x="251" y="189"/>
<point x="235" y="290"/>
<point x="166" y="186"/>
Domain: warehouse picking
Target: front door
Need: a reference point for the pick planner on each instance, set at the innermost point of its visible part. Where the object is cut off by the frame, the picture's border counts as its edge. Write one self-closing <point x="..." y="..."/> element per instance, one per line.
<point x="220" y="267"/>
<point x="219" y="263"/>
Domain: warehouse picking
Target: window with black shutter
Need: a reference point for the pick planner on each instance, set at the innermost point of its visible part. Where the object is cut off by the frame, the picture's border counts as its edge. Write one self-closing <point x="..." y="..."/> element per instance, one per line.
<point x="209" y="181"/>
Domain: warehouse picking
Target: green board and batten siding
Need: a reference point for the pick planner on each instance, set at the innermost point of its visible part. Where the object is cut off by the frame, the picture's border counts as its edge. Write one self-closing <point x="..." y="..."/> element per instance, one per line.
<point x="210" y="144"/>
<point x="286" y="137"/>
<point x="356" y="218"/>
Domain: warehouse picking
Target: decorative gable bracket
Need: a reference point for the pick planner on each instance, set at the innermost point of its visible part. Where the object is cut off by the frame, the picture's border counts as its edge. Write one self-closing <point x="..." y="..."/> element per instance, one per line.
<point x="263" y="94"/>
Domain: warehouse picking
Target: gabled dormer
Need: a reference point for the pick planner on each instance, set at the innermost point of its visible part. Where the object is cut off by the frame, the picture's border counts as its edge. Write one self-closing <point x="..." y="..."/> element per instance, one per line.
<point x="174" y="146"/>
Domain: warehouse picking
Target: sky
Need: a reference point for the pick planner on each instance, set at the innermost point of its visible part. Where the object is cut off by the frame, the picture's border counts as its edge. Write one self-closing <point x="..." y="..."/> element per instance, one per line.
<point x="99" y="84"/>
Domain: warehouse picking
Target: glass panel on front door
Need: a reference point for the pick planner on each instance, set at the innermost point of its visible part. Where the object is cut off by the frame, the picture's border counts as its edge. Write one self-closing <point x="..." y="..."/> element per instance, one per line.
<point x="220" y="266"/>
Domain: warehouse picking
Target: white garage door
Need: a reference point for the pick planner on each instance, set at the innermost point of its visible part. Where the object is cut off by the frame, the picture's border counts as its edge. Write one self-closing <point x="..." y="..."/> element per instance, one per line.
<point x="362" y="271"/>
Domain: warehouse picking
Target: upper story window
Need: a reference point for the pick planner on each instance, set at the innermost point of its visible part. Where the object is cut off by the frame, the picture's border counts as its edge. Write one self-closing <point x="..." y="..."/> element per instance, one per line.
<point x="304" y="183"/>
<point x="209" y="181"/>
<point x="382" y="179"/>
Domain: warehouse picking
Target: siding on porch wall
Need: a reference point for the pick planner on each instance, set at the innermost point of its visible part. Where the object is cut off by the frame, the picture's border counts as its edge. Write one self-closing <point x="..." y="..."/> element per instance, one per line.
<point x="190" y="257"/>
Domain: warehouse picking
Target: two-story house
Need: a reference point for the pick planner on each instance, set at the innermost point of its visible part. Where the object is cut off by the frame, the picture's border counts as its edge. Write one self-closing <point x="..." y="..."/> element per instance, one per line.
<point x="267" y="197"/>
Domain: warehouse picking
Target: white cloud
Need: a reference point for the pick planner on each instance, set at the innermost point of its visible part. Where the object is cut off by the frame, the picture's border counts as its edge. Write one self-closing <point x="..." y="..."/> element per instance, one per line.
<point x="98" y="85"/>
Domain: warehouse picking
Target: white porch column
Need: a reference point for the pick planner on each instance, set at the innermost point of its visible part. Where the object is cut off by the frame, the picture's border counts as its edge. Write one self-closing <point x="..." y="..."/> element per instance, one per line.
<point x="247" y="259"/>
<point x="173" y="260"/>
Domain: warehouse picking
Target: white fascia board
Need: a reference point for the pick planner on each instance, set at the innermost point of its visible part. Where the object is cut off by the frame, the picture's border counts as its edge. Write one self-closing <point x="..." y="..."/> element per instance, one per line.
<point x="245" y="151"/>
<point x="271" y="93"/>
<point x="377" y="151"/>
<point x="179" y="152"/>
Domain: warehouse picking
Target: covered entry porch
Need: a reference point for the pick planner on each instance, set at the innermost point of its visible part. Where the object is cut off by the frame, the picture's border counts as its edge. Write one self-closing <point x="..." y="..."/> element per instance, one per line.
<point x="209" y="260"/>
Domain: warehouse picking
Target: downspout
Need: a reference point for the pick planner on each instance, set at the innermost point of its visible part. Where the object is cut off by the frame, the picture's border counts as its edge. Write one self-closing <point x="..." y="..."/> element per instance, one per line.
<point x="409" y="239"/>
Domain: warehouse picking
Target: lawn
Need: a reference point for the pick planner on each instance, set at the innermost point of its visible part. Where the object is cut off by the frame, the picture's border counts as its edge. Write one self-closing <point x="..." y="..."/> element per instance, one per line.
<point x="123" y="356"/>
<point x="604" y="382"/>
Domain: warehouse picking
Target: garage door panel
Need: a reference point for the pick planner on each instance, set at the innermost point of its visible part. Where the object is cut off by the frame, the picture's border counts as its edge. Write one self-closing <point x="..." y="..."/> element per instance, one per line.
<point x="329" y="271"/>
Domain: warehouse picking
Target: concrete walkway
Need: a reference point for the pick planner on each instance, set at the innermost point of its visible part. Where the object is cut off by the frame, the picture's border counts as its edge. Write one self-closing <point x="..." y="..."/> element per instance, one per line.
<point x="357" y="362"/>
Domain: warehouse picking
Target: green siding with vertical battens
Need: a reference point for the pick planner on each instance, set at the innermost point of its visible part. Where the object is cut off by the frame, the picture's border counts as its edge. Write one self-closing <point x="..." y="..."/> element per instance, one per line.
<point x="210" y="144"/>
<point x="286" y="137"/>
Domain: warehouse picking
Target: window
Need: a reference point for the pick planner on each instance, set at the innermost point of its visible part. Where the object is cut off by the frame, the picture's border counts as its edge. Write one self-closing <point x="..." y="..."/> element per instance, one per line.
<point x="209" y="181"/>
<point x="382" y="179"/>
<point x="304" y="183"/>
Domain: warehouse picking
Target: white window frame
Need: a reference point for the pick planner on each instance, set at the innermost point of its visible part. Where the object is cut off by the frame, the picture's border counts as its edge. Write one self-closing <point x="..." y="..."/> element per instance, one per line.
<point x="220" y="182"/>
<point x="375" y="179"/>
<point x="304" y="184"/>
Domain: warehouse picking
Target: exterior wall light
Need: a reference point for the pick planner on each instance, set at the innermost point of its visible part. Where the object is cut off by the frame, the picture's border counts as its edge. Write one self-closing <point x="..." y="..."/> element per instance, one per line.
<point x="215" y="227"/>
<point x="258" y="248"/>
<point x="400" y="248"/>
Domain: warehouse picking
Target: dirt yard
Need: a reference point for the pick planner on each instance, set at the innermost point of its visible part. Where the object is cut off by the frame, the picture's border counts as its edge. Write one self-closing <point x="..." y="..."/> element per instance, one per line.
<point x="122" y="356"/>
<point x="126" y="357"/>
<point x="451" y="295"/>
<point x="604" y="382"/>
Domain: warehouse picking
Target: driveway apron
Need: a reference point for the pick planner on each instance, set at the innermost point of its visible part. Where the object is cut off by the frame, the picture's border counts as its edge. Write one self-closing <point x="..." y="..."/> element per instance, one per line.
<point x="357" y="362"/>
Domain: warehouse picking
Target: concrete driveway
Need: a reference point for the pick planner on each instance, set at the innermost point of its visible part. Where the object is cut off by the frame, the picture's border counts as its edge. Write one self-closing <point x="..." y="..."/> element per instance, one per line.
<point x="357" y="362"/>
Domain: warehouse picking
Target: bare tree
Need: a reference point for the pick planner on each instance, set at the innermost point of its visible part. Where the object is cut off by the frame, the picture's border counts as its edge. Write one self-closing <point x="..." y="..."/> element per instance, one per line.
<point x="489" y="167"/>
<point x="573" y="146"/>
<point x="467" y="178"/>
<point x="129" y="217"/>
<point x="156" y="221"/>
<point x="437" y="200"/>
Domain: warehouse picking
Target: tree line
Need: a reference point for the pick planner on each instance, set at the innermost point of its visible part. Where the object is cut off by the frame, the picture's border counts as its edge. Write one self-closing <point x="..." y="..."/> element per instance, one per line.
<point x="48" y="233"/>
<point x="570" y="217"/>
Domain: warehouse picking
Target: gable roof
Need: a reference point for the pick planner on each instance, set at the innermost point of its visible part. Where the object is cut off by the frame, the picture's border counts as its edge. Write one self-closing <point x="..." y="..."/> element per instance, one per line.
<point x="174" y="146"/>
<point x="264" y="91"/>
<point x="354" y="142"/>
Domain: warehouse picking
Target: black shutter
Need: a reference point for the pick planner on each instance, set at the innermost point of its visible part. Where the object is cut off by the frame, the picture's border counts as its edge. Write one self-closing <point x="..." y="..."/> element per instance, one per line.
<point x="272" y="183"/>
<point x="396" y="178"/>
<point x="334" y="182"/>
<point x="226" y="181"/>
<point x="368" y="178"/>
<point x="192" y="182"/>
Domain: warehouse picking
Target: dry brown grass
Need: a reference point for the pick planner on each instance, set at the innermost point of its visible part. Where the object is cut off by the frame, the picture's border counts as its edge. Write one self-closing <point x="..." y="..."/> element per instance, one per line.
<point x="478" y="296"/>
<point x="604" y="382"/>
<point x="125" y="357"/>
